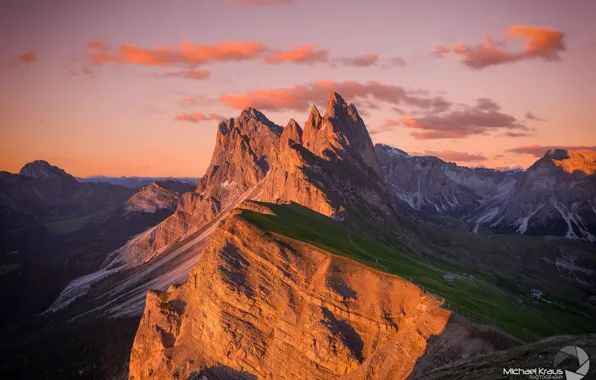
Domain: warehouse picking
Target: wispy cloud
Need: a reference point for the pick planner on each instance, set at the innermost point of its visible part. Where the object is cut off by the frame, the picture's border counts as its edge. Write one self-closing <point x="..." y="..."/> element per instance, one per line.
<point x="197" y="117"/>
<point x="306" y="54"/>
<point x="483" y="117"/>
<point x="301" y="97"/>
<point x="530" y="116"/>
<point x="97" y="45"/>
<point x="196" y="74"/>
<point x="540" y="43"/>
<point x="27" y="58"/>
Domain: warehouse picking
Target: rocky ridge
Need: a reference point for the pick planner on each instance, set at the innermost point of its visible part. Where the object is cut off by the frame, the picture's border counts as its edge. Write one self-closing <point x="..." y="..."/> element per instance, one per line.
<point x="244" y="150"/>
<point x="331" y="168"/>
<point x="266" y="298"/>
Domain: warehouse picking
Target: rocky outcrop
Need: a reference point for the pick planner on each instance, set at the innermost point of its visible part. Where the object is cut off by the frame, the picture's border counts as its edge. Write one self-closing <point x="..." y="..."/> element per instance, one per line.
<point x="264" y="306"/>
<point x="157" y="196"/>
<point x="555" y="196"/>
<point x="245" y="149"/>
<point x="331" y="167"/>
<point x="340" y="134"/>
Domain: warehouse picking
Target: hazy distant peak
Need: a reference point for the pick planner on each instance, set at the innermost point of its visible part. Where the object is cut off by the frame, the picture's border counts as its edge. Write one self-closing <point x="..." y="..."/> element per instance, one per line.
<point x="41" y="169"/>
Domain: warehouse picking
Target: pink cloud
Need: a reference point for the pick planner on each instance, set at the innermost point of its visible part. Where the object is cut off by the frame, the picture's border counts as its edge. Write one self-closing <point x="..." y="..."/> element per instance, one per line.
<point x="196" y="117"/>
<point x="540" y="43"/>
<point x="97" y="45"/>
<point x="306" y="54"/>
<point x="484" y="117"/>
<point x="301" y="97"/>
<point x="530" y="116"/>
<point x="196" y="74"/>
<point x="365" y="60"/>
<point x="27" y="58"/>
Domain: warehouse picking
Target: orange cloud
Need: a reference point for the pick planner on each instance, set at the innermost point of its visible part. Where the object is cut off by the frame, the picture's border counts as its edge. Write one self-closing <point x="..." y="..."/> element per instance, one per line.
<point x="196" y="74"/>
<point x="97" y="45"/>
<point x="541" y="43"/>
<point x="196" y="117"/>
<point x="485" y="116"/>
<point x="191" y="54"/>
<point x="306" y="54"/>
<point x="441" y="51"/>
<point x="453" y="156"/>
<point x="301" y="97"/>
<point x="539" y="150"/>
<point x="27" y="58"/>
<point x="186" y="53"/>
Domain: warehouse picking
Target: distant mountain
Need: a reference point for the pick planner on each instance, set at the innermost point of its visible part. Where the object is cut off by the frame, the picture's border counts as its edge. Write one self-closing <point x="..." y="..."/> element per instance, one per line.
<point x="554" y="196"/>
<point x="41" y="192"/>
<point x="137" y="182"/>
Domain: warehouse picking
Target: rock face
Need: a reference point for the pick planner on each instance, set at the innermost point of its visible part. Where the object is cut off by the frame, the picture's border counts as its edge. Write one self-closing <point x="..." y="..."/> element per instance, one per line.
<point x="340" y="134"/>
<point x="255" y="300"/>
<point x="157" y="196"/>
<point x="555" y="196"/>
<point x="244" y="151"/>
<point x="331" y="167"/>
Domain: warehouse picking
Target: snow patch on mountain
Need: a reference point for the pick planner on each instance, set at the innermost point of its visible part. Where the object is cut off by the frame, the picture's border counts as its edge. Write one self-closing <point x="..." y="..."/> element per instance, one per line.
<point x="523" y="222"/>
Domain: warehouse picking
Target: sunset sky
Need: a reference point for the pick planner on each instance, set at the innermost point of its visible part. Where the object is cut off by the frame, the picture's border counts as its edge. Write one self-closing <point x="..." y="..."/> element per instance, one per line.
<point x="119" y="87"/>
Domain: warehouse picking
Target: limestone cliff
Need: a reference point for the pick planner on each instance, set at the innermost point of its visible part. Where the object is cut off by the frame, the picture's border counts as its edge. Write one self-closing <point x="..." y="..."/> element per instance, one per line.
<point x="245" y="148"/>
<point x="260" y="305"/>
<point x="331" y="167"/>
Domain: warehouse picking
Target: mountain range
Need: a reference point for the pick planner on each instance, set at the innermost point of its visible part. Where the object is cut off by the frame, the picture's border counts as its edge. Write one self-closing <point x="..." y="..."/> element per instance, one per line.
<point x="554" y="196"/>
<point x="136" y="182"/>
<point x="312" y="253"/>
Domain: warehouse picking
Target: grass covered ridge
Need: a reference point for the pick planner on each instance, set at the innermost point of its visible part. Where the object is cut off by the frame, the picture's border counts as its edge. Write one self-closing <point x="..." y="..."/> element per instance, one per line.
<point x="487" y="299"/>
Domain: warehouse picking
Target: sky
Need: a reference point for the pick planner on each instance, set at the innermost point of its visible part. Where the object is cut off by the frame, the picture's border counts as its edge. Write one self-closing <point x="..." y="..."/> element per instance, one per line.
<point x="137" y="88"/>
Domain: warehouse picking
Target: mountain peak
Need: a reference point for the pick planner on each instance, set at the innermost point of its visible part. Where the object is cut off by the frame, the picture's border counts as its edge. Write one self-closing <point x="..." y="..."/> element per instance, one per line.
<point x="41" y="169"/>
<point x="314" y="118"/>
<point x="340" y="133"/>
<point x="572" y="161"/>
<point x="292" y="133"/>
<point x="335" y="101"/>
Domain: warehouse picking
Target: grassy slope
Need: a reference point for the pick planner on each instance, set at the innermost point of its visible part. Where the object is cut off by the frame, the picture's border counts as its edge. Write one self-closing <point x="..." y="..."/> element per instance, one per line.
<point x="487" y="299"/>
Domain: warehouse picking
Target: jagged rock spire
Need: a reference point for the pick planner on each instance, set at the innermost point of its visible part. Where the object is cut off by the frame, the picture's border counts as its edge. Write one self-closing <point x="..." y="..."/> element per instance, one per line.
<point x="292" y="133"/>
<point x="340" y="133"/>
